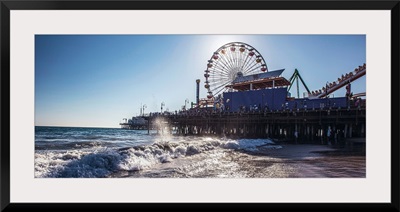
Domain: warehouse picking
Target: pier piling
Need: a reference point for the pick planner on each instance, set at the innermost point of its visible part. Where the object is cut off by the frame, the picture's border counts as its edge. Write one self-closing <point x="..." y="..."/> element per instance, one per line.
<point x="310" y="125"/>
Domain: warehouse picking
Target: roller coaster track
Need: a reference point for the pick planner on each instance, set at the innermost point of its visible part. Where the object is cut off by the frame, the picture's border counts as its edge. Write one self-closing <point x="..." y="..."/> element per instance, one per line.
<point x="341" y="82"/>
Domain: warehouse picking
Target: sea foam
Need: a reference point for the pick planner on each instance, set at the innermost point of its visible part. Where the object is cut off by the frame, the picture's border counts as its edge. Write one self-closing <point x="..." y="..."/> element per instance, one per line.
<point x="101" y="162"/>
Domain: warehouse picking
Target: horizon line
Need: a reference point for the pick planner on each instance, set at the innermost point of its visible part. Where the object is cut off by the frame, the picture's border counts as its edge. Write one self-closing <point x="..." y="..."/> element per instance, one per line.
<point x="77" y="126"/>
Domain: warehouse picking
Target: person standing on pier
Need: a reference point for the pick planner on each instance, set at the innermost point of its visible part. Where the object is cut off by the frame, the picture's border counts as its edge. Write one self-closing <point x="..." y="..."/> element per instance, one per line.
<point x="266" y="108"/>
<point x="335" y="136"/>
<point x="328" y="135"/>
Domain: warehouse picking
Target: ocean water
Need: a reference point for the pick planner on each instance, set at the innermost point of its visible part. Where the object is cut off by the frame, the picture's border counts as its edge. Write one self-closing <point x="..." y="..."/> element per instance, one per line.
<point x="71" y="152"/>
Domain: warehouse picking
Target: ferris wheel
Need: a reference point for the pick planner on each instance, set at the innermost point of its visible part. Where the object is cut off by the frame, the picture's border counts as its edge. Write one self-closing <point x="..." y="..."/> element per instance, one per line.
<point x="228" y="62"/>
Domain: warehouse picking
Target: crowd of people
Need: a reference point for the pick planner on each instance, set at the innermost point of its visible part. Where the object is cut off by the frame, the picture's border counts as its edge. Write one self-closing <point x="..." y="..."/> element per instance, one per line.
<point x="252" y="109"/>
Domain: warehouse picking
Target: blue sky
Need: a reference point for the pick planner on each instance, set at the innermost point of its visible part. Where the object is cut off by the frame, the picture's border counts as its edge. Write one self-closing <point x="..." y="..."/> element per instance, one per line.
<point x="96" y="80"/>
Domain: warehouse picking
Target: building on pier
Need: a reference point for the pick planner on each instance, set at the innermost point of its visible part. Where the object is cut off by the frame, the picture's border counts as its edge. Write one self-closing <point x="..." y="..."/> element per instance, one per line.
<point x="135" y="123"/>
<point x="269" y="91"/>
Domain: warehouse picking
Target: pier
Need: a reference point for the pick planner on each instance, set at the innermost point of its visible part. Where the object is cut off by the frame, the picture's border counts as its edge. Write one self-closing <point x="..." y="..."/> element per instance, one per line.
<point x="311" y="125"/>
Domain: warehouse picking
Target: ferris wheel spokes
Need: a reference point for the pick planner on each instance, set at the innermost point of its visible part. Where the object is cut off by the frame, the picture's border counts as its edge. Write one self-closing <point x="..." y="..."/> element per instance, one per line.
<point x="230" y="61"/>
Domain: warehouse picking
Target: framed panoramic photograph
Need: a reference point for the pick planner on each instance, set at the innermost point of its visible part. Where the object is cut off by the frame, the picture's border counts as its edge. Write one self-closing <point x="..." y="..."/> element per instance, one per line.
<point x="159" y="104"/>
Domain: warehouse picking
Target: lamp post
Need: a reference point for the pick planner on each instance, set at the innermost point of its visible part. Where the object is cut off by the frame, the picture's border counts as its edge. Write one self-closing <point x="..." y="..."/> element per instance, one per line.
<point x="326" y="94"/>
<point x="144" y="107"/>
<point x="197" y="92"/>
<point x="186" y="101"/>
<point x="326" y="89"/>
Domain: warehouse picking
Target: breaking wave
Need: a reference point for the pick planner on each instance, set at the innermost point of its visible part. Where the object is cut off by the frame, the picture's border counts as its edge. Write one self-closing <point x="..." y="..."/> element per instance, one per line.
<point x="98" y="161"/>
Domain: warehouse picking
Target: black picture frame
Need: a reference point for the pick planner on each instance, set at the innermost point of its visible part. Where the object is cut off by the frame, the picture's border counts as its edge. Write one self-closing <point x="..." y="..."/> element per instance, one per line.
<point x="7" y="6"/>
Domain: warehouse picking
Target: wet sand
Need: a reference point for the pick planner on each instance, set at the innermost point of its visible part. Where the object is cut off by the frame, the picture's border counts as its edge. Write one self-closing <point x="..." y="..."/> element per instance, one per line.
<point x="307" y="161"/>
